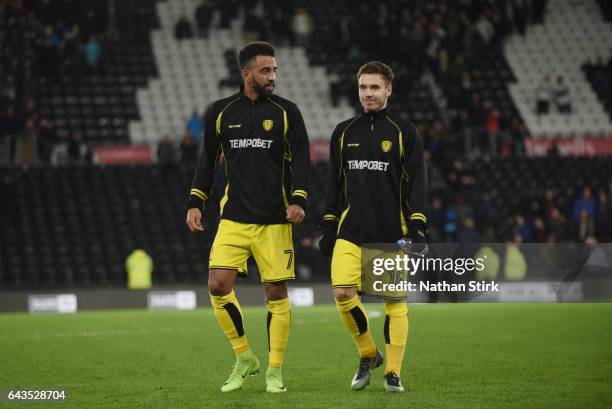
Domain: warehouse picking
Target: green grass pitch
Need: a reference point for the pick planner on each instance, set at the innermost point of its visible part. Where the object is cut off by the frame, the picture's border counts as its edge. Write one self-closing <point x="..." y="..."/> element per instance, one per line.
<point x="458" y="356"/>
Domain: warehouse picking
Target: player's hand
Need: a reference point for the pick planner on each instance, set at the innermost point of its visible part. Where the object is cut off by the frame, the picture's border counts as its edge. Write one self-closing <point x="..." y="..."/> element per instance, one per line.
<point x="194" y="219"/>
<point x="295" y="214"/>
<point x="329" y="229"/>
<point x="416" y="242"/>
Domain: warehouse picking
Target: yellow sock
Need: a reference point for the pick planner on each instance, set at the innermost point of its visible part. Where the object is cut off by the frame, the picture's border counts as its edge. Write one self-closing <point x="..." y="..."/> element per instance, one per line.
<point x="229" y="315"/>
<point x="279" y="321"/>
<point x="356" y="321"/>
<point x="396" y="334"/>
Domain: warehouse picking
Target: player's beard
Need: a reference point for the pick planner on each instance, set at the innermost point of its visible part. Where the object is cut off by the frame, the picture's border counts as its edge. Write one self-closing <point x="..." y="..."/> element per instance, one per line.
<point x="261" y="90"/>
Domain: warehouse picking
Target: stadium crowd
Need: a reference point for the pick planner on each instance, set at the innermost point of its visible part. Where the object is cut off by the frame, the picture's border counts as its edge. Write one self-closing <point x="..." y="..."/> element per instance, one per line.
<point x="446" y="40"/>
<point x="40" y="39"/>
<point x="465" y="213"/>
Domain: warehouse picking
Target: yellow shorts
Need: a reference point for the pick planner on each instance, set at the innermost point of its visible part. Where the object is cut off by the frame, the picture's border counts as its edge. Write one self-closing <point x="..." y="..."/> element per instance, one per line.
<point x="346" y="265"/>
<point x="270" y="244"/>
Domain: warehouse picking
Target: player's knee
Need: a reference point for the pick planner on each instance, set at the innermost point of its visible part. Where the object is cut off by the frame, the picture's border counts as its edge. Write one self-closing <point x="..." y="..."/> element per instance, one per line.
<point x="344" y="294"/>
<point x="218" y="287"/>
<point x="275" y="291"/>
<point x="396" y="310"/>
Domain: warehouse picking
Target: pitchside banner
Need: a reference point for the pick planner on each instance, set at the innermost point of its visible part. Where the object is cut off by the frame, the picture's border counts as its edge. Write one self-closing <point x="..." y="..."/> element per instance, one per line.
<point x="52" y="303"/>
<point x="570" y="146"/>
<point x="301" y="296"/>
<point x="122" y="154"/>
<point x="171" y="300"/>
<point x="491" y="272"/>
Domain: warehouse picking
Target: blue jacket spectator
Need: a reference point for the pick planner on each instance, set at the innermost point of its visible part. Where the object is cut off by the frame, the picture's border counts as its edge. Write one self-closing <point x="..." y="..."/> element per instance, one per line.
<point x="195" y="125"/>
<point x="523" y="228"/>
<point x="92" y="52"/>
<point x="584" y="202"/>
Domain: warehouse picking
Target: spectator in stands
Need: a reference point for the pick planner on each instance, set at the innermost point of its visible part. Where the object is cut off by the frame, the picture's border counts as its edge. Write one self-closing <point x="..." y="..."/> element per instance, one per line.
<point x="523" y="228"/>
<point x="550" y="202"/>
<point x="57" y="36"/>
<point x="519" y="135"/>
<point x="93" y="52"/>
<point x="520" y="15"/>
<point x="355" y="53"/>
<point x="254" y="27"/>
<point x="485" y="29"/>
<point x="9" y="204"/>
<point x="78" y="152"/>
<point x="553" y="151"/>
<point x="585" y="227"/>
<point x="492" y="128"/>
<point x="476" y="112"/>
<point x="8" y="85"/>
<point x="47" y="53"/>
<point x="310" y="264"/>
<point x="71" y="51"/>
<point x="228" y="10"/>
<point x="557" y="226"/>
<point x="279" y="26"/>
<point x="166" y="152"/>
<point x="335" y="84"/>
<point x="203" y="17"/>
<point x="28" y="141"/>
<point x="544" y="93"/>
<point x="586" y="202"/>
<point x="10" y="127"/>
<point x="182" y="29"/>
<point x="436" y="220"/>
<point x="46" y="140"/>
<point x="486" y="211"/>
<point x="600" y="76"/>
<point x="437" y="55"/>
<point x="539" y="230"/>
<point x="93" y="21"/>
<point x="468" y="232"/>
<point x="433" y="141"/>
<point x="302" y="27"/>
<point x="562" y="97"/>
<point x="235" y="77"/>
<point x="195" y="125"/>
<point x="189" y="152"/>
<point x="603" y="218"/>
<point x="538" y="7"/>
<point x="450" y="224"/>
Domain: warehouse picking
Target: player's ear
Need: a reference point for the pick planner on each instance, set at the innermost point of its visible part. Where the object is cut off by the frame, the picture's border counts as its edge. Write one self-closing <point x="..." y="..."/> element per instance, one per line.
<point x="246" y="74"/>
<point x="389" y="90"/>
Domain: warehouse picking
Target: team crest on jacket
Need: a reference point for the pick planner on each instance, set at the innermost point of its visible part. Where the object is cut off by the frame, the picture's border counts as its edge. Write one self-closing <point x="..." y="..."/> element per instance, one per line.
<point x="268" y="124"/>
<point x="386" y="146"/>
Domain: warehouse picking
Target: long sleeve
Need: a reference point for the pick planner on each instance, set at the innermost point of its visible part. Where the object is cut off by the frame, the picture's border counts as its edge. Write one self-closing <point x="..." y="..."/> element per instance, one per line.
<point x="202" y="185"/>
<point x="334" y="180"/>
<point x="416" y="175"/>
<point x="300" y="157"/>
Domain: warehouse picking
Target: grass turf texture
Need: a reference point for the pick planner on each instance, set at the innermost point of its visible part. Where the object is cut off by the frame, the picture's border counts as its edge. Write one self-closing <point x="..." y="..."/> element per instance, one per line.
<point x="459" y="355"/>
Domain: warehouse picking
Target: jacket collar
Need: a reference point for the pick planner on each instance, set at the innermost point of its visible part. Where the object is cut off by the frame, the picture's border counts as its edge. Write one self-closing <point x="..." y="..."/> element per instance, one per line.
<point x="376" y="115"/>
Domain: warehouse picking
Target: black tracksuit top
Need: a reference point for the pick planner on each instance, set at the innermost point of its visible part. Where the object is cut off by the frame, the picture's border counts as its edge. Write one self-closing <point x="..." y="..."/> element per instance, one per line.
<point x="267" y="160"/>
<point x="377" y="181"/>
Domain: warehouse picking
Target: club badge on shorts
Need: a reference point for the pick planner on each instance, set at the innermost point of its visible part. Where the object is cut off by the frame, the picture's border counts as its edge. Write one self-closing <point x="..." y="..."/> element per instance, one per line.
<point x="268" y="124"/>
<point x="386" y="146"/>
